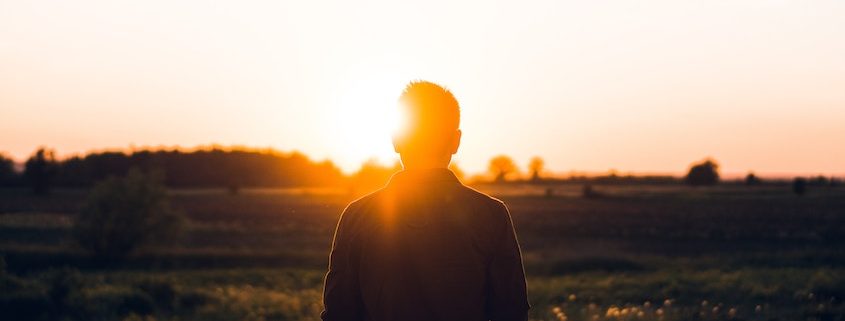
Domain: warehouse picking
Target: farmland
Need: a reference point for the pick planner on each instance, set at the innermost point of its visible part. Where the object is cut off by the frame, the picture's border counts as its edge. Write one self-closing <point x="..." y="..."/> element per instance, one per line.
<point x="636" y="252"/>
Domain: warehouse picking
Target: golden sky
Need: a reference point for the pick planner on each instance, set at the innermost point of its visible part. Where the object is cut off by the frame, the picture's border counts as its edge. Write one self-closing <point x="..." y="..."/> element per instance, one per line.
<point x="644" y="86"/>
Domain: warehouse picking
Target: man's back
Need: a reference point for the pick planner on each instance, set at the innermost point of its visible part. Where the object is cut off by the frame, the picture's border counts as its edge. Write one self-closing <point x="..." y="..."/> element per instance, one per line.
<point x="425" y="247"/>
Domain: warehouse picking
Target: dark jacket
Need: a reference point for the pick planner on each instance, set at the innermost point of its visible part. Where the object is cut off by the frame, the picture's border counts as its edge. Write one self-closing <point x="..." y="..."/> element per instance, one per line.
<point x="425" y="247"/>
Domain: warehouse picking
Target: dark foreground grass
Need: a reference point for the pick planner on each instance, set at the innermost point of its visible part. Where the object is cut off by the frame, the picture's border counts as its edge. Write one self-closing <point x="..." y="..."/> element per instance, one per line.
<point x="292" y="294"/>
<point x="636" y="253"/>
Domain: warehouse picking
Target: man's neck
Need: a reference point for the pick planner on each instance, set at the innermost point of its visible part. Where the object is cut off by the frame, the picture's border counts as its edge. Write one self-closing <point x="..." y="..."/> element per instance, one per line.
<point x="425" y="163"/>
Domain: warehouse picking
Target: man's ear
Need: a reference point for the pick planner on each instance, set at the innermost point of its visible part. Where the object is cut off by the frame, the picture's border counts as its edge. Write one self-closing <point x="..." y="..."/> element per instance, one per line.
<point x="456" y="141"/>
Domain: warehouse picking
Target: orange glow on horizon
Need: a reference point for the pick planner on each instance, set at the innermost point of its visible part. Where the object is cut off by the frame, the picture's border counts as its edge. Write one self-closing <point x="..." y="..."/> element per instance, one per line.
<point x="637" y="87"/>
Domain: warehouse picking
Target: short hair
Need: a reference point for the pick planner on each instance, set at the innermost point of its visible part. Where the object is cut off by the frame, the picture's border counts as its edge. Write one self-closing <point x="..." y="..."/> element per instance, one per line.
<point x="431" y="113"/>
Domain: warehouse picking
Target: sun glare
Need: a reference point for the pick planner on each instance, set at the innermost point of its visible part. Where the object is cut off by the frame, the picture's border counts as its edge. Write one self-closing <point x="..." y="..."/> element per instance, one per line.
<point x="366" y="117"/>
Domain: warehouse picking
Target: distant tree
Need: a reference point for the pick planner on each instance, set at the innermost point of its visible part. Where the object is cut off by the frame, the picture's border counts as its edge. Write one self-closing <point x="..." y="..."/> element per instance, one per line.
<point x="704" y="173"/>
<point x="125" y="213"/>
<point x="799" y="186"/>
<point x="40" y="170"/>
<point x="536" y="166"/>
<point x="459" y="173"/>
<point x="501" y="166"/>
<point x="821" y="180"/>
<point x="8" y="176"/>
<point x="752" y="179"/>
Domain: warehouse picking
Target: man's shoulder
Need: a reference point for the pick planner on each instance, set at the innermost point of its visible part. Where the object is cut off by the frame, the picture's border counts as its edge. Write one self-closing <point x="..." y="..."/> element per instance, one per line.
<point x="478" y="197"/>
<point x="364" y="201"/>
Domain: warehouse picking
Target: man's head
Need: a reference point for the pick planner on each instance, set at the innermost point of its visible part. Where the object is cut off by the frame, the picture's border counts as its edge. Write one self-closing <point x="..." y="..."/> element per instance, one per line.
<point x="430" y="133"/>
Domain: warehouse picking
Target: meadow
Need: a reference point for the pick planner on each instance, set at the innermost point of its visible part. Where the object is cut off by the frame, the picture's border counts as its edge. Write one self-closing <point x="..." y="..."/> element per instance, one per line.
<point x="633" y="252"/>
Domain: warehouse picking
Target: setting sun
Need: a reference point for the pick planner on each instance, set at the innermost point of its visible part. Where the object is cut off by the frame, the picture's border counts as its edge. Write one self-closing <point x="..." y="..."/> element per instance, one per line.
<point x="365" y="117"/>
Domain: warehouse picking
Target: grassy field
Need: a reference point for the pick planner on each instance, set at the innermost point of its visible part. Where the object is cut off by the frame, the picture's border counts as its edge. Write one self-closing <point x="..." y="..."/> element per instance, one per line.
<point x="635" y="253"/>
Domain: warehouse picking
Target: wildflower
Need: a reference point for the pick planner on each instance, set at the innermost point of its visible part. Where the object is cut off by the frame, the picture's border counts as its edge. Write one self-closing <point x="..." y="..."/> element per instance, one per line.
<point x="561" y="316"/>
<point x="612" y="312"/>
<point x="659" y="311"/>
<point x="667" y="303"/>
<point x="572" y="297"/>
<point x="647" y="304"/>
<point x="758" y="308"/>
<point x="704" y="303"/>
<point x="732" y="312"/>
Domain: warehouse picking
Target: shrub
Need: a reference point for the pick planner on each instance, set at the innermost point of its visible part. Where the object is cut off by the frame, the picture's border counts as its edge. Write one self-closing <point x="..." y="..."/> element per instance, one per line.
<point x="752" y="179"/>
<point x="122" y="214"/>
<point x="8" y="176"/>
<point x="704" y="173"/>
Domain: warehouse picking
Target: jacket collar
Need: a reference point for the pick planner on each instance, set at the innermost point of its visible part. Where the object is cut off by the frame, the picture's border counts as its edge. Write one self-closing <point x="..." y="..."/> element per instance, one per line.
<point x="423" y="176"/>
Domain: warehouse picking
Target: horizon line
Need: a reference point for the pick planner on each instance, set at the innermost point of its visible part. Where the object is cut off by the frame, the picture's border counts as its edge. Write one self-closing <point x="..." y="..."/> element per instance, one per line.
<point x="558" y="174"/>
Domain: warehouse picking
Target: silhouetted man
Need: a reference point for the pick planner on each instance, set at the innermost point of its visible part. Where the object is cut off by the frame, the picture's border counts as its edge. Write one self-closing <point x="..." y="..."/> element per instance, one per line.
<point x="425" y="247"/>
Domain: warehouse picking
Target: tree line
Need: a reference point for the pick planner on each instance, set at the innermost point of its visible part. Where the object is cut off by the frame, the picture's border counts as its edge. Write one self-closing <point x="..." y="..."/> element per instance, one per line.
<point x="213" y="167"/>
<point x="242" y="167"/>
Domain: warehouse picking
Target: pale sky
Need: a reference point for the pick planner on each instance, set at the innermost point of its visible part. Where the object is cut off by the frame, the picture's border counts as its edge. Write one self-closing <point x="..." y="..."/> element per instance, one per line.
<point x="642" y="86"/>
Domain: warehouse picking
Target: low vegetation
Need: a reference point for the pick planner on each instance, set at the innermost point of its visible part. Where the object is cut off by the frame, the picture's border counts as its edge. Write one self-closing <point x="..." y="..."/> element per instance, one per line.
<point x="662" y="252"/>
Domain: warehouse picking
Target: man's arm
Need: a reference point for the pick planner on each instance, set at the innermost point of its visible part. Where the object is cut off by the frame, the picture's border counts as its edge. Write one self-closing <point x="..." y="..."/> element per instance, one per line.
<point x="341" y="294"/>
<point x="507" y="298"/>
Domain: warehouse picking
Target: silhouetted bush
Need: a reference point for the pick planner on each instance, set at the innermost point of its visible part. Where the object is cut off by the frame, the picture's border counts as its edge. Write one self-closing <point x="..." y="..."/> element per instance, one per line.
<point x="63" y="284"/>
<point x="799" y="186"/>
<point x="8" y="176"/>
<point x="752" y="179"/>
<point x="820" y="181"/>
<point x="704" y="173"/>
<point x="162" y="293"/>
<point x="124" y="213"/>
<point x="40" y="170"/>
